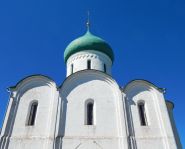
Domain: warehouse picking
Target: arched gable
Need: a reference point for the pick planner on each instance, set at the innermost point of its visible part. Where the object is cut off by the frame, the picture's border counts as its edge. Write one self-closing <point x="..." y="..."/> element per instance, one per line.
<point x="146" y="110"/>
<point x="86" y="76"/>
<point x="32" y="81"/>
<point x="106" y="95"/>
<point x="142" y="83"/>
<point x="33" y="88"/>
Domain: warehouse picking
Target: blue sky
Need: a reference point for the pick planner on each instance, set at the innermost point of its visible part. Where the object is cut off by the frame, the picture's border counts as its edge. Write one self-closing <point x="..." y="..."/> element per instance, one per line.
<point x="148" y="38"/>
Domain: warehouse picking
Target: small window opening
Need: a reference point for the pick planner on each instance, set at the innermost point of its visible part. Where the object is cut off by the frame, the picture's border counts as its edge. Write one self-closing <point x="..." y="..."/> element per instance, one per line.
<point x="32" y="114"/>
<point x="90" y="114"/>
<point x="142" y="114"/>
<point x="71" y="68"/>
<point x="105" y="69"/>
<point x="89" y="64"/>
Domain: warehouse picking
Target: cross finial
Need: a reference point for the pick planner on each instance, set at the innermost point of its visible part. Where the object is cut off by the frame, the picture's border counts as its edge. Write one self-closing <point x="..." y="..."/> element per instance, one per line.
<point x="88" y="21"/>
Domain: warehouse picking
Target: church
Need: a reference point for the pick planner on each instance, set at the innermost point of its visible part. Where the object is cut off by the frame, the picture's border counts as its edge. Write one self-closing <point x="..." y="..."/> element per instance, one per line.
<point x="89" y="110"/>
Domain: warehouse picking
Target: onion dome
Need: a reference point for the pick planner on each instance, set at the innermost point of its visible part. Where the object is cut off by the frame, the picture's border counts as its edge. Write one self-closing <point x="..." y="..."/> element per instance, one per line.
<point x="88" y="42"/>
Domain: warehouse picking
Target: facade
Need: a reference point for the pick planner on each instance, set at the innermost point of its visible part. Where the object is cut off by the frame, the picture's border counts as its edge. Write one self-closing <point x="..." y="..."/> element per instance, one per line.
<point x="89" y="110"/>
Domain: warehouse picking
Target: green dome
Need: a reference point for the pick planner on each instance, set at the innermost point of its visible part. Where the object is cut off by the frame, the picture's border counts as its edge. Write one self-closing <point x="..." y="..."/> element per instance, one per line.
<point x="88" y="42"/>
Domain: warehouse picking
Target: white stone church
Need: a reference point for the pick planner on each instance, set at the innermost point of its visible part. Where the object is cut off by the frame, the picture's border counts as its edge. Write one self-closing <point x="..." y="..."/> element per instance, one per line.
<point x="89" y="110"/>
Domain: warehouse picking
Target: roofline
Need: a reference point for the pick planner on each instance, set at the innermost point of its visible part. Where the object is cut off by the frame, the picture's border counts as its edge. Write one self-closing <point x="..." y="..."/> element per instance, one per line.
<point x="162" y="90"/>
<point x="88" y="70"/>
<point x="30" y="76"/>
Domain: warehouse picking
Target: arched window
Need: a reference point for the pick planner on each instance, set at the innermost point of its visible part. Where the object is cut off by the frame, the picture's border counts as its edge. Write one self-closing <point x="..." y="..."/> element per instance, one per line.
<point x="105" y="69"/>
<point x="32" y="114"/>
<point x="71" y="68"/>
<point x="89" y="112"/>
<point x="142" y="113"/>
<point x="89" y="64"/>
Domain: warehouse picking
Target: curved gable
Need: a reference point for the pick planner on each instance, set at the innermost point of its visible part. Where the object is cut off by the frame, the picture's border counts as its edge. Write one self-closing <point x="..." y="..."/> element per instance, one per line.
<point x="142" y="83"/>
<point x="86" y="76"/>
<point x="32" y="81"/>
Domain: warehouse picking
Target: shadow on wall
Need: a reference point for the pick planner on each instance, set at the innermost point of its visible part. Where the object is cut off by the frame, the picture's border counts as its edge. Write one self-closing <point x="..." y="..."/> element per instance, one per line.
<point x="5" y="139"/>
<point x="132" y="141"/>
<point x="61" y="127"/>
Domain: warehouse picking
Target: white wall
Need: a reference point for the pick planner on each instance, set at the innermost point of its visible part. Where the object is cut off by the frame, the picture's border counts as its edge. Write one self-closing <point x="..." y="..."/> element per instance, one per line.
<point x="158" y="133"/>
<point x="170" y="107"/>
<point x="109" y="127"/>
<point x="60" y="120"/>
<point x="22" y="136"/>
<point x="79" y="61"/>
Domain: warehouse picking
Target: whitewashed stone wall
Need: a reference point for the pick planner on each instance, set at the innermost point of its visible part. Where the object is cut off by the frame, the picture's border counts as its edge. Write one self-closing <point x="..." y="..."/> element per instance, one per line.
<point x="158" y="133"/>
<point x="109" y="128"/>
<point x="60" y="119"/>
<point x="98" y="59"/>
<point x="16" y="134"/>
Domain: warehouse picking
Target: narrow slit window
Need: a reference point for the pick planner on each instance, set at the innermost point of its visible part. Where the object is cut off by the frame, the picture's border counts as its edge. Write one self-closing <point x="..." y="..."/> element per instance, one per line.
<point x="89" y="64"/>
<point x="105" y="69"/>
<point x="142" y="114"/>
<point x="32" y="114"/>
<point x="71" y="68"/>
<point x="90" y="113"/>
